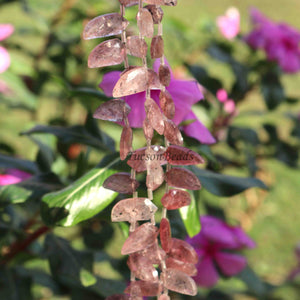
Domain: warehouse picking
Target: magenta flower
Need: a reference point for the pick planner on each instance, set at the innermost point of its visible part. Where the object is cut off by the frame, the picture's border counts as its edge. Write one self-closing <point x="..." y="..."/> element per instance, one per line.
<point x="229" y="24"/>
<point x="185" y="93"/>
<point x="5" y="31"/>
<point x="214" y="245"/>
<point x="228" y="104"/>
<point x="13" y="176"/>
<point x="279" y="40"/>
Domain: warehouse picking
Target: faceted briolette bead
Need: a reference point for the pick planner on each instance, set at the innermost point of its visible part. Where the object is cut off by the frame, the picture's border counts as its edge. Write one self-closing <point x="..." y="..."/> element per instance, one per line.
<point x="108" y="53"/>
<point x="105" y="25"/>
<point x="155" y="173"/>
<point x="113" y="110"/>
<point x="165" y="234"/>
<point x="176" y="199"/>
<point x="135" y="292"/>
<point x="145" y="23"/>
<point x="153" y="80"/>
<point x="128" y="3"/>
<point x="121" y="183"/>
<point x="164" y="297"/>
<point x="156" y="12"/>
<point x="157" y="47"/>
<point x="142" y="267"/>
<point x="167" y="104"/>
<point x="164" y="75"/>
<point x="137" y="161"/>
<point x="179" y="282"/>
<point x="187" y="268"/>
<point x="148" y="289"/>
<point x="144" y="236"/>
<point x="177" y="155"/>
<point x="136" y="80"/>
<point x="132" y="210"/>
<point x="172" y="133"/>
<point x="154" y="253"/>
<point x="183" y="178"/>
<point x="183" y="251"/>
<point x="162" y="2"/>
<point x="118" y="297"/>
<point x="125" y="142"/>
<point x="154" y="115"/>
<point x="148" y="130"/>
<point x="136" y="46"/>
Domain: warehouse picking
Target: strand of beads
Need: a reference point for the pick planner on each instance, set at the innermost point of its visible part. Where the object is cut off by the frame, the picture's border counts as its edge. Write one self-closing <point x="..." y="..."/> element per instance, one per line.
<point x="175" y="258"/>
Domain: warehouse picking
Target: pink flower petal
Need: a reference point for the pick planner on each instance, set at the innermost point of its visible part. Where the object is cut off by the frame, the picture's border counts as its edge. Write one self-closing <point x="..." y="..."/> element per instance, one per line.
<point x="229" y="25"/>
<point x="243" y="239"/>
<point x="7" y="179"/>
<point x="5" y="31"/>
<point x="197" y="130"/>
<point x="109" y="81"/>
<point x="222" y="95"/>
<point x="207" y="275"/>
<point x="137" y="113"/>
<point x="4" y="60"/>
<point x="280" y="41"/>
<point x="18" y="173"/>
<point x="229" y="106"/>
<point x="230" y="264"/>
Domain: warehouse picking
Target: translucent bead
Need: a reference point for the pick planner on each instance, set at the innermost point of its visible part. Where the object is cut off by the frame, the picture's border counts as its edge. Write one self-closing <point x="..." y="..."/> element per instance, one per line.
<point x="179" y="282"/>
<point x="176" y="199"/>
<point x="167" y="104"/>
<point x="156" y="12"/>
<point x="136" y="80"/>
<point x="177" y="155"/>
<point x="136" y="46"/>
<point x="105" y="25"/>
<point x="125" y="142"/>
<point x="145" y="23"/>
<point x="148" y="289"/>
<point x="108" y="53"/>
<point x="113" y="110"/>
<point x="182" y="178"/>
<point x="165" y="234"/>
<point x="183" y="251"/>
<point x="132" y="210"/>
<point x="157" y="47"/>
<point x="142" y="267"/>
<point x="172" y="133"/>
<point x="144" y="236"/>
<point x="121" y="183"/>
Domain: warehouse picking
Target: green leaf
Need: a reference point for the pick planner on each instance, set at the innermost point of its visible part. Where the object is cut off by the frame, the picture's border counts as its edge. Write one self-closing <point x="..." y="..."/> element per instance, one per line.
<point x="9" y="162"/>
<point x="255" y="285"/>
<point x="67" y="265"/>
<point x="33" y="188"/>
<point x="210" y="83"/>
<point x="81" y="200"/>
<point x="69" y="135"/>
<point x="20" y="96"/>
<point x="272" y="90"/>
<point x="87" y="278"/>
<point x="190" y="217"/>
<point x="13" y="194"/>
<point x="88" y="91"/>
<point x="73" y="268"/>
<point x="225" y="185"/>
<point x="14" y="286"/>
